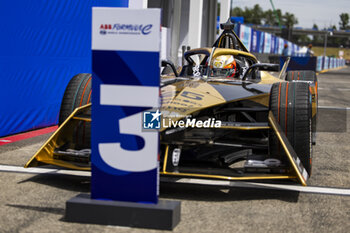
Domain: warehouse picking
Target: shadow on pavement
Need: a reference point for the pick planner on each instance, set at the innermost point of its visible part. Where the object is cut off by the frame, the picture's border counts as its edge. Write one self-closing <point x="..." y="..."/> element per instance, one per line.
<point x="65" y="182"/>
<point x="51" y="210"/>
<point x="206" y="193"/>
<point x="174" y="191"/>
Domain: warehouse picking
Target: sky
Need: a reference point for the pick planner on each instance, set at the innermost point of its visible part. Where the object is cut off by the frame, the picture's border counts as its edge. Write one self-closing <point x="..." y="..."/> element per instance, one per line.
<point x="324" y="13"/>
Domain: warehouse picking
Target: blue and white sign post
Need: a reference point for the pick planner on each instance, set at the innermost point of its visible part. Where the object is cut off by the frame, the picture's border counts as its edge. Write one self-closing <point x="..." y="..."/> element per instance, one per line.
<point x="126" y="68"/>
<point x="124" y="160"/>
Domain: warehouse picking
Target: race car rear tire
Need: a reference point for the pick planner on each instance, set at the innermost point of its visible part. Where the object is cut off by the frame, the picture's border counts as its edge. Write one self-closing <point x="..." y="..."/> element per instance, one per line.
<point x="290" y="102"/>
<point x="302" y="75"/>
<point x="77" y="93"/>
<point x="307" y="75"/>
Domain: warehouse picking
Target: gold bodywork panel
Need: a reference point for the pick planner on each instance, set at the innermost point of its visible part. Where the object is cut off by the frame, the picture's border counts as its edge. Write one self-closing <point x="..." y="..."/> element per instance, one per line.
<point x="267" y="78"/>
<point x="61" y="136"/>
<point x="183" y="98"/>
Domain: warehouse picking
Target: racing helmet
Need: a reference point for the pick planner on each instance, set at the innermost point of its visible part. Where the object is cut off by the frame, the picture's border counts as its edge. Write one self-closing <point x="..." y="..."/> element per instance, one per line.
<point x="225" y="65"/>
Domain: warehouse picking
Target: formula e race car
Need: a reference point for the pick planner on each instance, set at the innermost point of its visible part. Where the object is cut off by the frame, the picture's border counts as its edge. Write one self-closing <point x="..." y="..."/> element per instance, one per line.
<point x="225" y="116"/>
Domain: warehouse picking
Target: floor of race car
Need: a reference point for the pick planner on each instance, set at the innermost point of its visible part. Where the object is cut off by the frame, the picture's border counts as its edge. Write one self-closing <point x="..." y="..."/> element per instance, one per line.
<point x="36" y="202"/>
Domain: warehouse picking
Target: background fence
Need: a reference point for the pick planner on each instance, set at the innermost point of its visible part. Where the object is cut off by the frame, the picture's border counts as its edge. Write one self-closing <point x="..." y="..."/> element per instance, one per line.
<point x="263" y="42"/>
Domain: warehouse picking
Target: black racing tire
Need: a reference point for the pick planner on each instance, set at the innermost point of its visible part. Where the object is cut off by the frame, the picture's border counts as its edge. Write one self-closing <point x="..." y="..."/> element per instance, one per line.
<point x="302" y="75"/>
<point x="290" y="102"/>
<point x="307" y="75"/>
<point x="77" y="94"/>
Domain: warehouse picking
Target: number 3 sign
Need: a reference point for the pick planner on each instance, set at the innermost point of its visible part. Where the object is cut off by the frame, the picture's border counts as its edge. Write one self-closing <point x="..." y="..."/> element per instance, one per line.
<point x="112" y="153"/>
<point x="125" y="73"/>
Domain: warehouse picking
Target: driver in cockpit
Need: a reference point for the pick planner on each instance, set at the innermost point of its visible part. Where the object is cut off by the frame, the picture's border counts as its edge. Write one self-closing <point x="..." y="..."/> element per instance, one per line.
<point x="225" y="65"/>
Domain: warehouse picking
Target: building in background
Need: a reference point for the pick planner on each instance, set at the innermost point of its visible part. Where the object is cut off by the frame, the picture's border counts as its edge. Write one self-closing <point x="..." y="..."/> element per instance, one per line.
<point x="187" y="23"/>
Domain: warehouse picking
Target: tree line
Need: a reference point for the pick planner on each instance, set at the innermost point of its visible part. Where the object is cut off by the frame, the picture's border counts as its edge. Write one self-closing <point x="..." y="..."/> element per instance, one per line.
<point x="257" y="16"/>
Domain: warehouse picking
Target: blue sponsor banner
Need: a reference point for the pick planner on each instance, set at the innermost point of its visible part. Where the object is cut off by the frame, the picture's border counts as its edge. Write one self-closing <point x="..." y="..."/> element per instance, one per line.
<point x="289" y="47"/>
<point x="245" y="35"/>
<point x="294" y="49"/>
<point x="258" y="34"/>
<point x="325" y="63"/>
<point x="261" y="43"/>
<point x="273" y="40"/>
<point x="125" y="70"/>
<point x="267" y="43"/>
<point x="276" y="45"/>
<point x="319" y="63"/>
<point x="255" y="41"/>
<point x="237" y="28"/>
<point x="280" y="45"/>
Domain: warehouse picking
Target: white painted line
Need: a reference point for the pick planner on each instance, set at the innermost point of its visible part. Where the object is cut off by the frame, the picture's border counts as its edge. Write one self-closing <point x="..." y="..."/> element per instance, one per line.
<point x="296" y="188"/>
<point x="334" y="107"/>
<point x="9" y="168"/>
<point x="334" y="89"/>
<point x="305" y="189"/>
<point x="240" y="184"/>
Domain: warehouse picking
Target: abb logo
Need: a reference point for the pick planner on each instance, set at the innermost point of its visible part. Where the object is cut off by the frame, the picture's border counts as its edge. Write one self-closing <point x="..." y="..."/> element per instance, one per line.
<point x="106" y="26"/>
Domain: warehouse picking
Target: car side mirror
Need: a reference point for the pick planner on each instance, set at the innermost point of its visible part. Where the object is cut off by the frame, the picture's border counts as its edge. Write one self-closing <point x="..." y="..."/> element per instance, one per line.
<point x="261" y="67"/>
<point x="167" y="63"/>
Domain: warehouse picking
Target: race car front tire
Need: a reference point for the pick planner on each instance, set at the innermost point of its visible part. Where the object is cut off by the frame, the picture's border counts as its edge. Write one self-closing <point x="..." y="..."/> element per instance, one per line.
<point x="310" y="76"/>
<point x="290" y="102"/>
<point x="77" y="94"/>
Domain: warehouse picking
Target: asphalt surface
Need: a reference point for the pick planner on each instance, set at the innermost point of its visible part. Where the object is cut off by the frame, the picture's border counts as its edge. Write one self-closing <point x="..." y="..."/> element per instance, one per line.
<point x="36" y="203"/>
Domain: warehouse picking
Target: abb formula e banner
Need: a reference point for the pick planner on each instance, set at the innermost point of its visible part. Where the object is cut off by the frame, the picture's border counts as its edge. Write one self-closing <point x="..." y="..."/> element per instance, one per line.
<point x="125" y="70"/>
